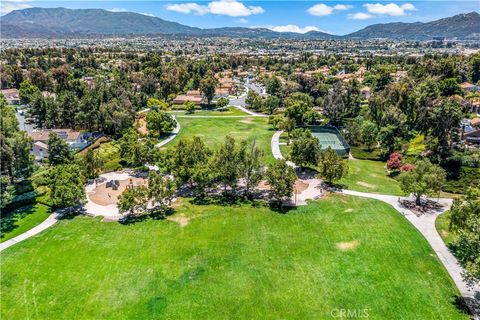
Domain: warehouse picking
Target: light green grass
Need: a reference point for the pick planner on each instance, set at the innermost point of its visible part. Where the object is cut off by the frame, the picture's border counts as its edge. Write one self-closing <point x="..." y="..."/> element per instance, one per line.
<point x="230" y="263"/>
<point x="23" y="219"/>
<point x="228" y="111"/>
<point x="109" y="152"/>
<point x="214" y="130"/>
<point x="370" y="176"/>
<point x="442" y="224"/>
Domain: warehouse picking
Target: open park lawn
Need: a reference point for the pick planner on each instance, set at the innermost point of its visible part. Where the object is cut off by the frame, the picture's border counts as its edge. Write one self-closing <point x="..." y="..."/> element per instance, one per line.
<point x="370" y="176"/>
<point x="228" y="111"/>
<point x="233" y="262"/>
<point x="23" y="219"/>
<point x="214" y="130"/>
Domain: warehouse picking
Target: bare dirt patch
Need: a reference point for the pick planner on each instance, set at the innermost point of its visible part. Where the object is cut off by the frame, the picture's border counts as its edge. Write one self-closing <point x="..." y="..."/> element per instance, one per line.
<point x="247" y="121"/>
<point x="366" y="185"/>
<point x="300" y="186"/>
<point x="142" y="126"/>
<point x="345" y="246"/>
<point x="181" y="220"/>
<point x="105" y="196"/>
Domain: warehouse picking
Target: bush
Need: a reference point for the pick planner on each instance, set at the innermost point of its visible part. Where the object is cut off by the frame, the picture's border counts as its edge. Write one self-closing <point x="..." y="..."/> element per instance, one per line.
<point x="21" y="200"/>
<point x="361" y="154"/>
<point x="467" y="178"/>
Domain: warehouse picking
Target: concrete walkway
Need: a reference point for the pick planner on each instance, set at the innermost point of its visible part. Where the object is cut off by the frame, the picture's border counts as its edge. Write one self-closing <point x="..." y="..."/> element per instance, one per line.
<point x="275" y="145"/>
<point x="171" y="136"/>
<point x="50" y="221"/>
<point x="253" y="114"/>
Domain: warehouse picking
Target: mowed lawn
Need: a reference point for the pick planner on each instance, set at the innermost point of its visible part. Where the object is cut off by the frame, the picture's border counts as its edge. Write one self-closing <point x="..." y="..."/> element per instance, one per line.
<point x="214" y="130"/>
<point x="370" y="176"/>
<point x="22" y="219"/>
<point x="234" y="262"/>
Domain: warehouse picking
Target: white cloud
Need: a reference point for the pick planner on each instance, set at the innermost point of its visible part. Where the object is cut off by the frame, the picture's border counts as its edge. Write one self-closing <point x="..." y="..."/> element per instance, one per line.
<point x="232" y="8"/>
<point x="342" y="7"/>
<point x="9" y="6"/>
<point x="293" y="28"/>
<point x="241" y="20"/>
<point x="117" y="10"/>
<point x="390" y="9"/>
<point x="360" y="16"/>
<point x="147" y="14"/>
<point x="187" y="8"/>
<point x="321" y="9"/>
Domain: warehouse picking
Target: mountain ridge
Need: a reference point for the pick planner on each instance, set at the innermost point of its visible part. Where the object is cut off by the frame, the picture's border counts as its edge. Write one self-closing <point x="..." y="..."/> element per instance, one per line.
<point x="62" y="22"/>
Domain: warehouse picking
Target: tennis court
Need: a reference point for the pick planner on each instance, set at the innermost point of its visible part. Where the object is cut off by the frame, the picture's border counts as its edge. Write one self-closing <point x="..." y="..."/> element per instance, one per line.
<point x="330" y="137"/>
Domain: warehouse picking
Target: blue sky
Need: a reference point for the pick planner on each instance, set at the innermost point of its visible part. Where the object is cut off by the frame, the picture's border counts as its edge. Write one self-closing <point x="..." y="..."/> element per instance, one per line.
<point x="336" y="17"/>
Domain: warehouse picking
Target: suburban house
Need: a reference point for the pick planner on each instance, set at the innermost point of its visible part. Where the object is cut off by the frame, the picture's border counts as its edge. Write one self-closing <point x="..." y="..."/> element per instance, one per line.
<point x="194" y="96"/>
<point x="12" y="96"/>
<point x="75" y="139"/>
<point x="225" y="87"/>
<point x="471" y="131"/>
<point x="467" y="86"/>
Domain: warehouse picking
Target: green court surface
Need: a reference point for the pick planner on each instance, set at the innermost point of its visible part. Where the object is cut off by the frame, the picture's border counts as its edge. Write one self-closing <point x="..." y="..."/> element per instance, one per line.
<point x="330" y="137"/>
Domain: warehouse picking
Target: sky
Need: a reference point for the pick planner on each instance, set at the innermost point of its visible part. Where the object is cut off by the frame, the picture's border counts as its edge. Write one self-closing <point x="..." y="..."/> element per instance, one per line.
<point x="335" y="17"/>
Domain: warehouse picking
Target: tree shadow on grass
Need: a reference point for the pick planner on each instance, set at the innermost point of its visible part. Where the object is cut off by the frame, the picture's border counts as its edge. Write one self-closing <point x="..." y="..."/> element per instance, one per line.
<point x="7" y="221"/>
<point x="469" y="306"/>
<point x="153" y="214"/>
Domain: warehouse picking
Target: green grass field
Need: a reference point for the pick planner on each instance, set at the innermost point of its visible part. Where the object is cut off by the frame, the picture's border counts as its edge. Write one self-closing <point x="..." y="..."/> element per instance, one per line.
<point x="370" y="176"/>
<point x="214" y="130"/>
<point x="228" y="111"/>
<point x="233" y="262"/>
<point x="442" y="223"/>
<point x="23" y="219"/>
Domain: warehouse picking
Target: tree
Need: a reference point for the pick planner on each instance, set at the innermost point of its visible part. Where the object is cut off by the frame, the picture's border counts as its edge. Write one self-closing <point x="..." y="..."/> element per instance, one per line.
<point x="394" y="163"/>
<point x="157" y="104"/>
<point x="225" y="163"/>
<point x="271" y="104"/>
<point x="7" y="191"/>
<point x="222" y="103"/>
<point x="207" y="86"/>
<point x="66" y="184"/>
<point x="287" y="125"/>
<point x="161" y="191"/>
<point x="160" y="122"/>
<point x="389" y="139"/>
<point x="27" y="89"/>
<point x="58" y="150"/>
<point x="281" y="179"/>
<point x="331" y="166"/>
<point x="465" y="222"/>
<point x="93" y="164"/>
<point x="275" y="120"/>
<point x="133" y="201"/>
<point x="250" y="165"/>
<point x="274" y="86"/>
<point x="369" y="134"/>
<point x="305" y="149"/>
<point x="450" y="86"/>
<point x="253" y="100"/>
<point x="425" y="179"/>
<point x="132" y="150"/>
<point x="190" y="107"/>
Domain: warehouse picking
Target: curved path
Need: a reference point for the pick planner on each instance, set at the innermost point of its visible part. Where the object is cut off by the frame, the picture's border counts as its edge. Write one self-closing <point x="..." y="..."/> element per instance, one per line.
<point x="171" y="136"/>
<point x="253" y="114"/>
<point x="47" y="223"/>
<point x="426" y="225"/>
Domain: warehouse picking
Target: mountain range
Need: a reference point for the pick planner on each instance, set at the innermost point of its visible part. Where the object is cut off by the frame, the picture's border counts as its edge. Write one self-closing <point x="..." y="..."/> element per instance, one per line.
<point x="62" y="23"/>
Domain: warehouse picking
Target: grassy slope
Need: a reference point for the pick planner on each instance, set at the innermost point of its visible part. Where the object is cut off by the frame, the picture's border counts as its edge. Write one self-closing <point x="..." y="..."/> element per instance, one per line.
<point x="370" y="176"/>
<point x="442" y="223"/>
<point x="22" y="219"/>
<point x="230" y="262"/>
<point x="214" y="130"/>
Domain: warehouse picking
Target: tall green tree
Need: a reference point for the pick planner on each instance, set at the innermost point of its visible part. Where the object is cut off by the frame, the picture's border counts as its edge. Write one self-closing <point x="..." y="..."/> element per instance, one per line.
<point x="251" y="166"/>
<point x="161" y="191"/>
<point x="66" y="184"/>
<point x="331" y="166"/>
<point x="305" y="148"/>
<point x="281" y="179"/>
<point x="160" y="122"/>
<point x="225" y="163"/>
<point x="425" y="179"/>
<point x="207" y="86"/>
<point x="58" y="150"/>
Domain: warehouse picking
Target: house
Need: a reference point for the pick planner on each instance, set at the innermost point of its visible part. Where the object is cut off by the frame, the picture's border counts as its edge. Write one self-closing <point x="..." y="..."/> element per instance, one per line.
<point x="365" y="93"/>
<point x="12" y="96"/>
<point x="194" y="96"/>
<point x="74" y="139"/>
<point x="467" y="86"/>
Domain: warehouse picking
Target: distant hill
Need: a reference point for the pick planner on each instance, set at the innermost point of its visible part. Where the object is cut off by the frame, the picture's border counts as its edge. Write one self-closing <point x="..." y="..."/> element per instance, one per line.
<point x="461" y="26"/>
<point x="62" y="22"/>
